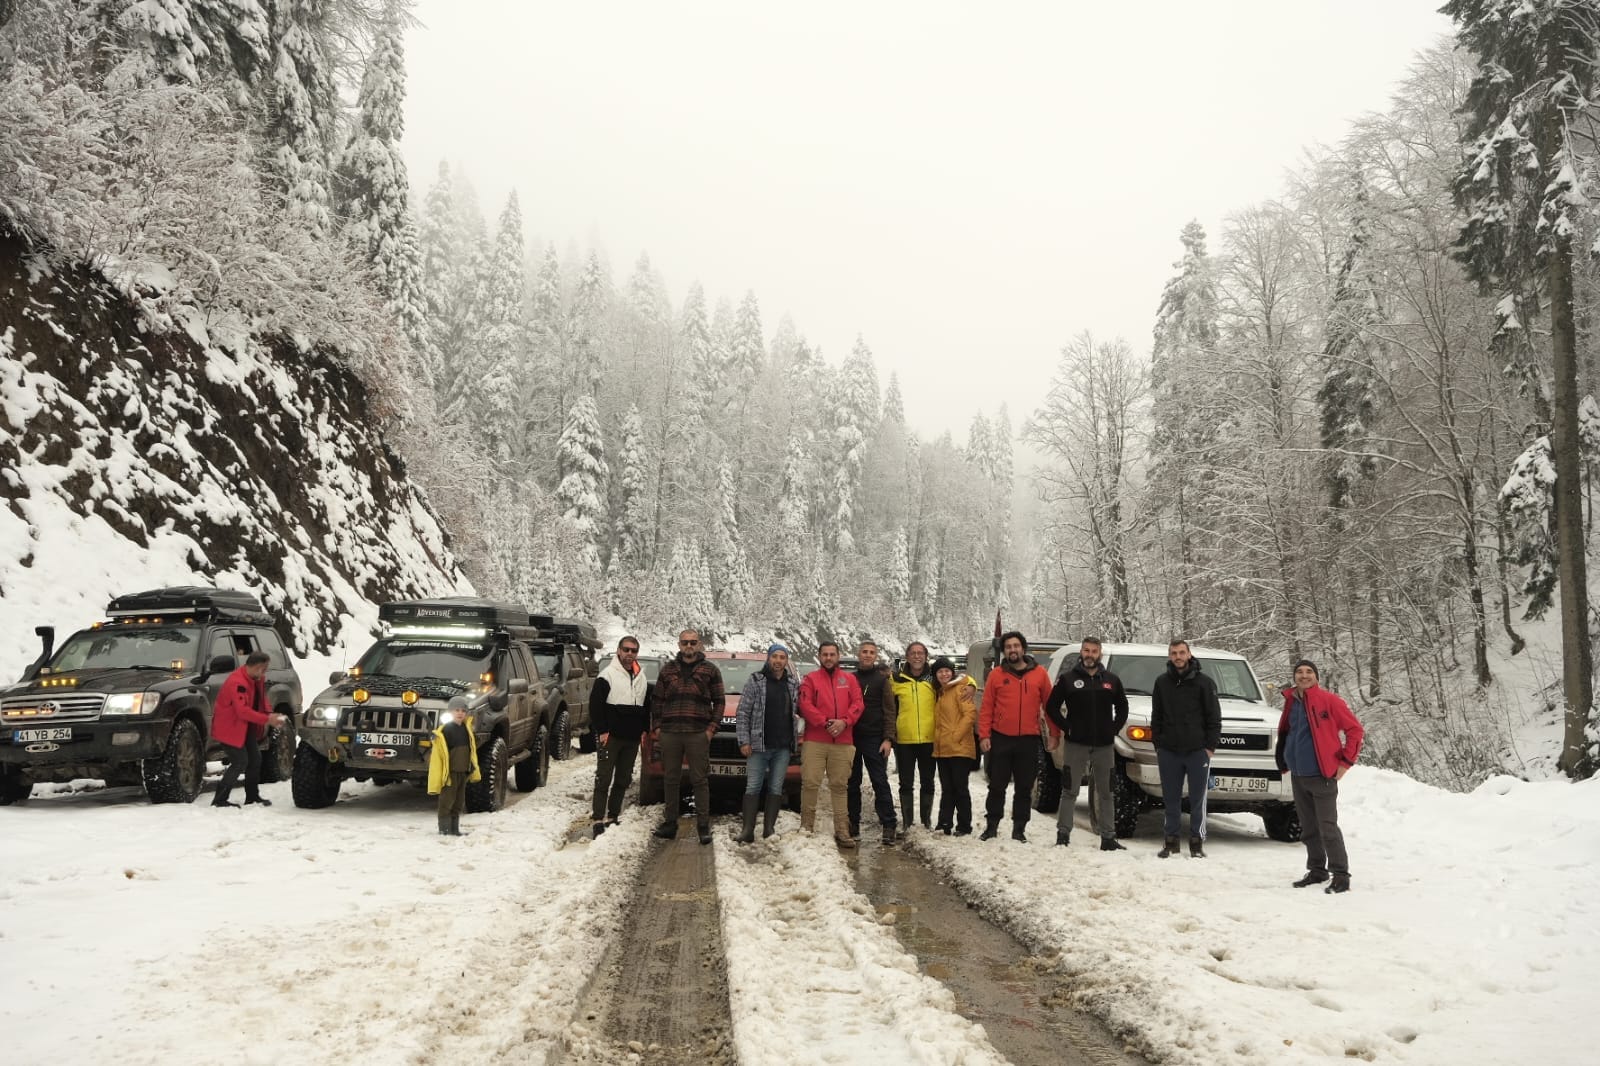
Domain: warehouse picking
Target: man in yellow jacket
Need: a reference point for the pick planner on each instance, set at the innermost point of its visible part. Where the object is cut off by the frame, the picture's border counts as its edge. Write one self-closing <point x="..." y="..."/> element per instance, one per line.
<point x="915" y="694"/>
<point x="452" y="765"/>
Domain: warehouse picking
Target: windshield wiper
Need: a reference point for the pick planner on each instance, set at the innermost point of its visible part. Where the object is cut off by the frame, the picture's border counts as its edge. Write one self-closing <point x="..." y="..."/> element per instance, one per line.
<point x="1237" y="696"/>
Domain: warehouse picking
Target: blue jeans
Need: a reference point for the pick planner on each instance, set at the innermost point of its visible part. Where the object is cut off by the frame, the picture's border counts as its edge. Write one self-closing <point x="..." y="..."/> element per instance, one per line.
<point x="766" y="767"/>
<point x="1176" y="767"/>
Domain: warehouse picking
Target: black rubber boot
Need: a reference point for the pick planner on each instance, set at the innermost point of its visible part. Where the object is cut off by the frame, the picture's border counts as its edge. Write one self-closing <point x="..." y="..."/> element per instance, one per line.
<point x="1169" y="846"/>
<point x="1063" y="838"/>
<point x="906" y="821"/>
<point x="705" y="834"/>
<point x="444" y="825"/>
<point x="1340" y="883"/>
<point x="927" y="809"/>
<point x="666" y="831"/>
<point x="990" y="831"/>
<point x="455" y="826"/>
<point x="748" y="836"/>
<point x="1110" y="844"/>
<point x="769" y="817"/>
<point x="1018" y="835"/>
<point x="1197" y="848"/>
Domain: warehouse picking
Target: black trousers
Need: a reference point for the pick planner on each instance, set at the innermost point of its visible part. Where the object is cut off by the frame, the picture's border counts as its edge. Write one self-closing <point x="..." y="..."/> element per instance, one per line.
<point x="876" y="765"/>
<point x="1012" y="759"/>
<point x="955" y="797"/>
<point x="911" y="760"/>
<point x="613" y="772"/>
<point x="248" y="759"/>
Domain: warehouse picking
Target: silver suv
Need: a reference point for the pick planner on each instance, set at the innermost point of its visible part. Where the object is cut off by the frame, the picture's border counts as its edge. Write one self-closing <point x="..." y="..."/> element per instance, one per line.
<point x="1244" y="766"/>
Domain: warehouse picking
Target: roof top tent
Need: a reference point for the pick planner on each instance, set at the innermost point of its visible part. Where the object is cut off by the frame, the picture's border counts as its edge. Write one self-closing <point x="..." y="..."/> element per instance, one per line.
<point x="570" y="631"/>
<point x="457" y="611"/>
<point x="199" y="600"/>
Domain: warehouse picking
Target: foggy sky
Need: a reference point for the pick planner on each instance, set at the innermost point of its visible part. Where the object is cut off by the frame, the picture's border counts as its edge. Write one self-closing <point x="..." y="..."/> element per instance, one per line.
<point x="966" y="186"/>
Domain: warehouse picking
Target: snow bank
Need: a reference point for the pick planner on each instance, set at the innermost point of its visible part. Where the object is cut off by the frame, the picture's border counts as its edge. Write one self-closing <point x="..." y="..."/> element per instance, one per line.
<point x="1469" y="935"/>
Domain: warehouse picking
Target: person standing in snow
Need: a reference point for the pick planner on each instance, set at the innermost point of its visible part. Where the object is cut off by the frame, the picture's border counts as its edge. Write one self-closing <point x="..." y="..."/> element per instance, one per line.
<point x="915" y="694"/>
<point x="452" y="764"/>
<point x="874" y="735"/>
<point x="619" y="713"/>
<point x="238" y="721"/>
<point x="1087" y="709"/>
<point x="1186" y="727"/>
<point x="830" y="703"/>
<point x="684" y="712"/>
<point x="1008" y="730"/>
<point x="766" y="725"/>
<point x="954" y="746"/>
<point x="1318" y="741"/>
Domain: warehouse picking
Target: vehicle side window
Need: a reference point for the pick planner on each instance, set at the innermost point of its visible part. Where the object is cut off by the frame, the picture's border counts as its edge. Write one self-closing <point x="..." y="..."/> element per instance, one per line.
<point x="268" y="641"/>
<point x="243" y="645"/>
<point x="221" y="644"/>
<point x="519" y="663"/>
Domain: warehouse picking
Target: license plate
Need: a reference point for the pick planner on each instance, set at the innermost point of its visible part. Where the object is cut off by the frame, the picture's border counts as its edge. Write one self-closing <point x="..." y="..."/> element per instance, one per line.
<point x="384" y="740"/>
<point x="723" y="769"/>
<point x="23" y="736"/>
<point x="1243" y="784"/>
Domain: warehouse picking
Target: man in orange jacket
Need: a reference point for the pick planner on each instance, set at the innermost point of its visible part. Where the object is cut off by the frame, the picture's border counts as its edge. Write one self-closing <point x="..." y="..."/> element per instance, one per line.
<point x="1008" y="730"/>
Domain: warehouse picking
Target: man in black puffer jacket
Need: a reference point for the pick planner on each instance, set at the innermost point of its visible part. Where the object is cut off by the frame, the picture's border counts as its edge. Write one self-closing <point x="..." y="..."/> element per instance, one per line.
<point x="1087" y="709"/>
<point x="1186" y="727"/>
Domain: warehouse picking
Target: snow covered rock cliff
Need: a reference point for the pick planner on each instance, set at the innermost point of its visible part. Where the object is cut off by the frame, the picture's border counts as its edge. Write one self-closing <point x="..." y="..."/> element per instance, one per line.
<point x="132" y="457"/>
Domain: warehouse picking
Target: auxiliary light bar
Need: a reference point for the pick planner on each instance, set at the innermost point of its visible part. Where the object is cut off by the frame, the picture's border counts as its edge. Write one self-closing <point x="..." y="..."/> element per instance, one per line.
<point x="440" y="632"/>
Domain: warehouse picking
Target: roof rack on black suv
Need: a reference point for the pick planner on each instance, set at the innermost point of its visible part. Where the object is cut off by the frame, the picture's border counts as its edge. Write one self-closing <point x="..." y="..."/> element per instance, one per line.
<point x="129" y="699"/>
<point x="459" y="611"/>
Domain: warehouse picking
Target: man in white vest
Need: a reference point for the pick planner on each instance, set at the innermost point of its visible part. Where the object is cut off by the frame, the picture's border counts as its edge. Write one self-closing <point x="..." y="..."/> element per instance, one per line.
<point x="619" y="714"/>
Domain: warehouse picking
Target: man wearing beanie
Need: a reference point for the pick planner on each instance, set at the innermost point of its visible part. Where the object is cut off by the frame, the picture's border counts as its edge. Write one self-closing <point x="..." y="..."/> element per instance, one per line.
<point x="1318" y="741"/>
<point x="768" y="707"/>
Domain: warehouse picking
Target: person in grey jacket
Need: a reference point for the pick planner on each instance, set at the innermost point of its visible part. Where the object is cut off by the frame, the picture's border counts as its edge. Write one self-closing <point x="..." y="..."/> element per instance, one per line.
<point x="766" y="726"/>
<point x="1186" y="727"/>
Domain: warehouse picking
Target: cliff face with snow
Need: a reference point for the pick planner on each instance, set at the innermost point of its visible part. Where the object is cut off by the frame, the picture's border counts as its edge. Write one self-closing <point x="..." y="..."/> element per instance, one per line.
<point x="132" y="457"/>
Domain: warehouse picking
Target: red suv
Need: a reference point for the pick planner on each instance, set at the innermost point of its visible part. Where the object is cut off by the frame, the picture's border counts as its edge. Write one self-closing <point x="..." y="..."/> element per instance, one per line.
<point x="727" y="765"/>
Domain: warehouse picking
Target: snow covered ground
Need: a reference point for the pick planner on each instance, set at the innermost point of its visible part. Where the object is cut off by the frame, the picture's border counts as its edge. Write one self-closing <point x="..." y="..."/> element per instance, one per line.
<point x="356" y="935"/>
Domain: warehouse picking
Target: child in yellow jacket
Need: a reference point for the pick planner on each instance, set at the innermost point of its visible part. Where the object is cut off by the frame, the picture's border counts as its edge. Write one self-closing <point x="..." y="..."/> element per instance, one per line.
<point x="452" y="765"/>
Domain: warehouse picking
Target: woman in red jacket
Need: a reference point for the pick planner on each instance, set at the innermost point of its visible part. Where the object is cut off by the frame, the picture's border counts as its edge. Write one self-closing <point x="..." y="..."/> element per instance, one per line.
<point x="1318" y="741"/>
<point x="238" y="721"/>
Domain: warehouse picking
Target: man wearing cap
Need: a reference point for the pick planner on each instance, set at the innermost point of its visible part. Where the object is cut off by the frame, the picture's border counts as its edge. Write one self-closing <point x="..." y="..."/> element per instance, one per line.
<point x="874" y="735"/>
<point x="238" y="721"/>
<point x="452" y="764"/>
<point x="768" y="707"/>
<point x="1318" y="741"/>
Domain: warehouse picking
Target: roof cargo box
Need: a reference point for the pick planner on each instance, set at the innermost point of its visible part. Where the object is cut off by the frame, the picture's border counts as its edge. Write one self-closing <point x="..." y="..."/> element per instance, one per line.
<point x="571" y="631"/>
<point x="456" y="611"/>
<point x="196" y="599"/>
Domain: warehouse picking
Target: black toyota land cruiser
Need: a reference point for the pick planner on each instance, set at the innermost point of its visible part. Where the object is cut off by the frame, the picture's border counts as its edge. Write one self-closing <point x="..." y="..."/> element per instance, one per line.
<point x="129" y="699"/>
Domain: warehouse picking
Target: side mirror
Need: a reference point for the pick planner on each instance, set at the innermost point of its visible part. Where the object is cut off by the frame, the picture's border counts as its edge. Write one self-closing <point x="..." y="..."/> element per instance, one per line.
<point x="336" y="677"/>
<point x="219" y="664"/>
<point x="517" y="686"/>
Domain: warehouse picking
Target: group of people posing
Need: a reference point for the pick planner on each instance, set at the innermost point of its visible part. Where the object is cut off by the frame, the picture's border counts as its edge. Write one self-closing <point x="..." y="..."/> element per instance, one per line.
<point x="845" y="723"/>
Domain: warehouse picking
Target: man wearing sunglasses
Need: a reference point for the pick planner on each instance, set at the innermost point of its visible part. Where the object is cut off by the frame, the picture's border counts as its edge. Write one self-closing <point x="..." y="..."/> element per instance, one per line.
<point x="619" y="713"/>
<point x="683" y="715"/>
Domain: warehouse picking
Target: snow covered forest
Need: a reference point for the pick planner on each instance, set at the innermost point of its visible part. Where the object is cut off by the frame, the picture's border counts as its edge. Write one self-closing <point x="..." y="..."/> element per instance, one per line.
<point x="1338" y="443"/>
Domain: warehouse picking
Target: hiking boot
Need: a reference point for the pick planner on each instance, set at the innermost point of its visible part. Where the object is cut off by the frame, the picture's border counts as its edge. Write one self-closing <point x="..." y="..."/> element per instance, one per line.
<point x="705" y="834"/>
<point x="1197" y="848"/>
<point x="962" y="830"/>
<point x="1063" y="837"/>
<point x="769" y="816"/>
<point x="990" y="831"/>
<point x="666" y="831"/>
<point x="1312" y="877"/>
<point x="1017" y="835"/>
<point x="1169" y="846"/>
<point x="1111" y="844"/>
<point x="845" y="842"/>
<point x="889" y="835"/>
<point x="1340" y="883"/>
<point x="748" y="836"/>
<point x="596" y="829"/>
<point x="855" y="830"/>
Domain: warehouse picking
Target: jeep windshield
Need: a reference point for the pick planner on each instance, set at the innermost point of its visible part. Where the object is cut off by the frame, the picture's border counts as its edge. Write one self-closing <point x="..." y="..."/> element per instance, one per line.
<point x="735" y="672"/>
<point x="147" y="647"/>
<point x="1231" y="676"/>
<point x="459" y="662"/>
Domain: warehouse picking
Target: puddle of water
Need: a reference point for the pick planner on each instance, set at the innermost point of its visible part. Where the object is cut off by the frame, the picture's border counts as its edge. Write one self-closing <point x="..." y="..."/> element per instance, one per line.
<point x="997" y="982"/>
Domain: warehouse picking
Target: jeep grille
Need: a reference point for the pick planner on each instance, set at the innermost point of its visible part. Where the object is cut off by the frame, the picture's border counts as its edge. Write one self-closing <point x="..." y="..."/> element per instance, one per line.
<point x="388" y="720"/>
<point x="77" y="707"/>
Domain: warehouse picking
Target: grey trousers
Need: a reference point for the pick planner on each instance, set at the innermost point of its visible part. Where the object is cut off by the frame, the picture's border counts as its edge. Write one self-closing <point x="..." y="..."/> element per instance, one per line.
<point x="695" y="749"/>
<point x="1316" y="799"/>
<point x="1099" y="760"/>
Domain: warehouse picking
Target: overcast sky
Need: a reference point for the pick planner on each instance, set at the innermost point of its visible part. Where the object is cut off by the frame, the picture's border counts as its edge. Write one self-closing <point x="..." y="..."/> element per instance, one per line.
<point x="966" y="186"/>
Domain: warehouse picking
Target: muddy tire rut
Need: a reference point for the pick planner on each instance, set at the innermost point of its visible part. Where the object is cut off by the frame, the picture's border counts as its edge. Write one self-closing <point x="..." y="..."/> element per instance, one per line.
<point x="660" y="995"/>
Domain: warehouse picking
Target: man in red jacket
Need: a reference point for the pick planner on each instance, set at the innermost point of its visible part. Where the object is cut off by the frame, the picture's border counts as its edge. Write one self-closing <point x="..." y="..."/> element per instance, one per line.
<point x="1318" y="741"/>
<point x="831" y="704"/>
<point x="1014" y="694"/>
<point x="238" y="721"/>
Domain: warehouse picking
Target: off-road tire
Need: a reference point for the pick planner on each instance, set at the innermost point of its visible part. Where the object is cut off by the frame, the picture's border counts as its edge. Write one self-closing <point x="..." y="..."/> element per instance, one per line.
<point x="1127" y="798"/>
<point x="489" y="793"/>
<point x="652" y="790"/>
<point x="15" y="787"/>
<point x="1283" y="823"/>
<point x="175" y="776"/>
<point x="588" y="743"/>
<point x="534" y="771"/>
<point x="316" y="781"/>
<point x="1047" y="784"/>
<point x="561" y="736"/>
<point x="277" y="761"/>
